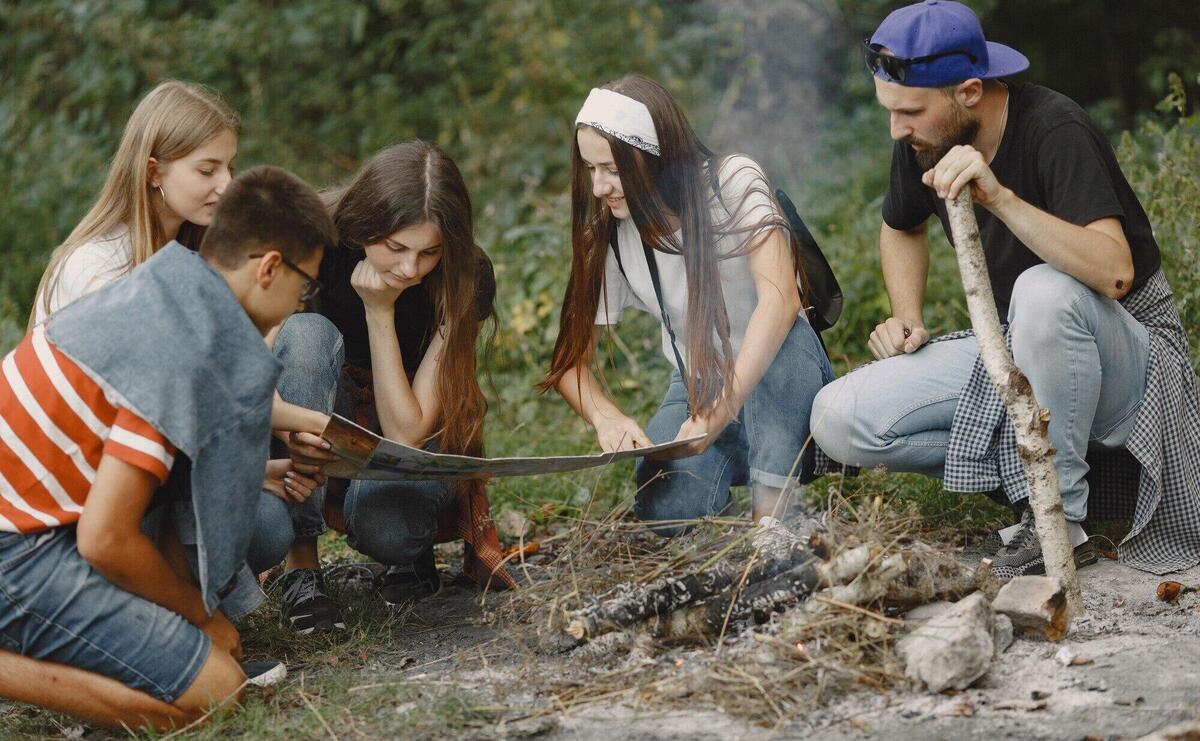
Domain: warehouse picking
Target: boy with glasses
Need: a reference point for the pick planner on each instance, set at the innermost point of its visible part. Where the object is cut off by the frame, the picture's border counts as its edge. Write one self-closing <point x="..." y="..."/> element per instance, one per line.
<point x="99" y="408"/>
<point x="1075" y="270"/>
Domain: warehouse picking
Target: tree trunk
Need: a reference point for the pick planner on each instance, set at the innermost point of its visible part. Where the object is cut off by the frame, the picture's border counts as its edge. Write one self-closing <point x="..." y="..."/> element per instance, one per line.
<point x="1029" y="420"/>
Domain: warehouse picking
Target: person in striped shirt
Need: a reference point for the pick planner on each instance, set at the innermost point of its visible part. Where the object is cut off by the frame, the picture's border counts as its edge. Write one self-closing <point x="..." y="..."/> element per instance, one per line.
<point x="96" y="619"/>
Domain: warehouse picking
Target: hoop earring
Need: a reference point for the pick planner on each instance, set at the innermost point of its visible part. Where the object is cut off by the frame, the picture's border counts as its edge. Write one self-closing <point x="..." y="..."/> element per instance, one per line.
<point x="163" y="194"/>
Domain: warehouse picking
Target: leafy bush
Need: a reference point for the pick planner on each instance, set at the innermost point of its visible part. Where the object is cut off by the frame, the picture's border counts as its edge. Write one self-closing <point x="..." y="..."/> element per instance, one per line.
<point x="1162" y="163"/>
<point x="320" y="86"/>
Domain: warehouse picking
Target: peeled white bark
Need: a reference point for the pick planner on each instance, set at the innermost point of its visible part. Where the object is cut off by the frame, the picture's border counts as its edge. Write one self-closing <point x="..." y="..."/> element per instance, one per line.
<point x="1029" y="420"/>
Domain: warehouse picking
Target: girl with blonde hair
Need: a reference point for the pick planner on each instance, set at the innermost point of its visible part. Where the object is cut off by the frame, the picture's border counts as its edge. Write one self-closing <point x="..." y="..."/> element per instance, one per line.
<point x="172" y="165"/>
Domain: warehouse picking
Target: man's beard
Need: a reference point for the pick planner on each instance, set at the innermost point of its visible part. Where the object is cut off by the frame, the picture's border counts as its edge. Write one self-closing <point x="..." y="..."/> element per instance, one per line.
<point x="961" y="128"/>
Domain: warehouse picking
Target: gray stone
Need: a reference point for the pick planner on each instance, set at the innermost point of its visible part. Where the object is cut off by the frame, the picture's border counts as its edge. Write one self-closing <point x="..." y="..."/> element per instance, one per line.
<point x="1002" y="632"/>
<point x="1037" y="606"/>
<point x="922" y="613"/>
<point x="952" y="650"/>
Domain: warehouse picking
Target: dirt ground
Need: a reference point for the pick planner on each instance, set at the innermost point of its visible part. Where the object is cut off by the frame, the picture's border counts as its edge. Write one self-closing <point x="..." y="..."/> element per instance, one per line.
<point x="1138" y="671"/>
<point x="453" y="668"/>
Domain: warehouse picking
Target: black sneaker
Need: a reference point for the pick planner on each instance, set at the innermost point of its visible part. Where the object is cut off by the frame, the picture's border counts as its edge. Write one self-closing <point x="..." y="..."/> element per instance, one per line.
<point x="409" y="583"/>
<point x="306" y="607"/>
<point x="264" y="672"/>
<point x="1023" y="554"/>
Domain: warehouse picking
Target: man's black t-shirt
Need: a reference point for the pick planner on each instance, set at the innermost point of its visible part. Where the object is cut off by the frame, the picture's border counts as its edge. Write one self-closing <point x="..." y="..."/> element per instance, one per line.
<point x="340" y="304"/>
<point x="1053" y="156"/>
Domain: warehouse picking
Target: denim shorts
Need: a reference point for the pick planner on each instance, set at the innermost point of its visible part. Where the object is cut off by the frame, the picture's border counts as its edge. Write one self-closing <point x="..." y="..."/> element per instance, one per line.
<point x="55" y="607"/>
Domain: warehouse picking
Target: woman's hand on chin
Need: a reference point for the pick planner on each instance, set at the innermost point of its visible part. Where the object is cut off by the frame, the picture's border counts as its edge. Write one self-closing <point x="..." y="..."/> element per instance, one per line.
<point x="376" y="293"/>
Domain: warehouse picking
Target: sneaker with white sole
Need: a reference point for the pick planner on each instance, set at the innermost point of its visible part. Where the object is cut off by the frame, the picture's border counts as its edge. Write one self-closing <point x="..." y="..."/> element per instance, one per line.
<point x="264" y="672"/>
<point x="1022" y="555"/>
<point x="306" y="607"/>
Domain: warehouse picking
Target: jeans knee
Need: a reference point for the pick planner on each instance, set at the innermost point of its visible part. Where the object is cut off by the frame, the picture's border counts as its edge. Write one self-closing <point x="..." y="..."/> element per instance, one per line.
<point x="661" y="521"/>
<point x="393" y="522"/>
<point x="666" y="496"/>
<point x="829" y="422"/>
<point x="395" y="548"/>
<point x="1043" y="301"/>
<point x="273" y="537"/>
<point x="309" y="343"/>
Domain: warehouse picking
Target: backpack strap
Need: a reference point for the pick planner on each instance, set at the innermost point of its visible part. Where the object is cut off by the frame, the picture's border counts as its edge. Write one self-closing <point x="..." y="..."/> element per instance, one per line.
<point x="652" y="265"/>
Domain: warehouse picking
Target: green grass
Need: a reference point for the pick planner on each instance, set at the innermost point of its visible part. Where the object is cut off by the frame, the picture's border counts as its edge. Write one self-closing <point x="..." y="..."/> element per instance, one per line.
<point x="352" y="683"/>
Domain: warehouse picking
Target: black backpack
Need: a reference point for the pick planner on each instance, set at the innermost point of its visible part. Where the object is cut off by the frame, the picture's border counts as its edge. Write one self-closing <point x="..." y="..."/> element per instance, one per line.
<point x="824" y="299"/>
<point x="825" y="295"/>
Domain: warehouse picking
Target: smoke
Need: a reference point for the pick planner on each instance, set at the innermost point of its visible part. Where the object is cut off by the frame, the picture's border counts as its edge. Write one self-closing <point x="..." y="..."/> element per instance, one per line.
<point x="785" y="70"/>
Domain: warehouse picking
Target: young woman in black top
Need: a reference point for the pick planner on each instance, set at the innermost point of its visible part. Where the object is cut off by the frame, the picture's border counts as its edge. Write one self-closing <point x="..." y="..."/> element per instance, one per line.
<point x="392" y="347"/>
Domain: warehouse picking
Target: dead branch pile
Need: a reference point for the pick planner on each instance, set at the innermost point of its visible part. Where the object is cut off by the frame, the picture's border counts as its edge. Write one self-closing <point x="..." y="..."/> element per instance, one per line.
<point x="760" y="620"/>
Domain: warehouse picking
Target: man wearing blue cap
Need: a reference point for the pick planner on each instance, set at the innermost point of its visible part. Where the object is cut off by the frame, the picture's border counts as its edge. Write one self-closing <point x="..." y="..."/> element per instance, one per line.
<point x="1075" y="270"/>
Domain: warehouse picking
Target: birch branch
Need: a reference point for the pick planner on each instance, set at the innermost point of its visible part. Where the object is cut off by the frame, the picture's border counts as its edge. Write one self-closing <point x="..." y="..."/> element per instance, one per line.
<point x="1029" y="420"/>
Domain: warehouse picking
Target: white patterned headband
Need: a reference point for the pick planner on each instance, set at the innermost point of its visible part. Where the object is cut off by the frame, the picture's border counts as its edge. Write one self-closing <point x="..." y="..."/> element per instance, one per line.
<point x="620" y="116"/>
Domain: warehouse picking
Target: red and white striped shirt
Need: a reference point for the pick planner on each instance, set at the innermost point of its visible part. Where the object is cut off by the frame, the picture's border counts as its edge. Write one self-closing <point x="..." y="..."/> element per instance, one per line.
<point x="56" y="422"/>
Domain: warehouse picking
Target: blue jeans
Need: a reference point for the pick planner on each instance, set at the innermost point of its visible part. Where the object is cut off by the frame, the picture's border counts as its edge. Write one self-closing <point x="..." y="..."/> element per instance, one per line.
<point x="763" y="444"/>
<point x="394" y="521"/>
<point x="390" y="521"/>
<point x="55" y="607"/>
<point x="1083" y="353"/>
<point x="311" y="350"/>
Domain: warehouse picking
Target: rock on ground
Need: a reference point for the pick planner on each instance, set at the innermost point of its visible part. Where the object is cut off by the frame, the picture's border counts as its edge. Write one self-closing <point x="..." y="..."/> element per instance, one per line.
<point x="953" y="649"/>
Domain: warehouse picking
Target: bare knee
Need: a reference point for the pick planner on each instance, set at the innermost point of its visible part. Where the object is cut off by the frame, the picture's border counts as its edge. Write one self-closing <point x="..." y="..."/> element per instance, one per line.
<point x="216" y="688"/>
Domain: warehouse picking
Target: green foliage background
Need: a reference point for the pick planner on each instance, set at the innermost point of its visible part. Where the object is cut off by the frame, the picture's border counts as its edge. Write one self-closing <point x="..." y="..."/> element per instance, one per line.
<point x="323" y="84"/>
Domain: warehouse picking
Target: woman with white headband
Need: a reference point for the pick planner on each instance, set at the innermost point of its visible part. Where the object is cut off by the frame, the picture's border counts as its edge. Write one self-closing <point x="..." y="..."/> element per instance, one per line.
<point x="660" y="224"/>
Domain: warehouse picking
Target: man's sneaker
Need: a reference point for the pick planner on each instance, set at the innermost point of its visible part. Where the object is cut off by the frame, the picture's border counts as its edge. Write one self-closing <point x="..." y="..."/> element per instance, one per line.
<point x="264" y="672"/>
<point x="1023" y="554"/>
<point x="306" y="607"/>
<point x="410" y="582"/>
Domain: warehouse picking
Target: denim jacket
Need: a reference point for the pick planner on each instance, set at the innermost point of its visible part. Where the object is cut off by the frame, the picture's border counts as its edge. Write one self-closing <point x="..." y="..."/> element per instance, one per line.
<point x="173" y="344"/>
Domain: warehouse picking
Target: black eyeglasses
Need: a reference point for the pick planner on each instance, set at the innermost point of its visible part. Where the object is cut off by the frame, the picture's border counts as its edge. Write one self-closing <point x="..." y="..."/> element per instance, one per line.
<point x="897" y="67"/>
<point x="312" y="286"/>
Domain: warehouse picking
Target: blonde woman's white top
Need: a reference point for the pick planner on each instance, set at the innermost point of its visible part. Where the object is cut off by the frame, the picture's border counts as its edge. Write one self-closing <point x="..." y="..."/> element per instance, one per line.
<point x="739" y="177"/>
<point x="94" y="264"/>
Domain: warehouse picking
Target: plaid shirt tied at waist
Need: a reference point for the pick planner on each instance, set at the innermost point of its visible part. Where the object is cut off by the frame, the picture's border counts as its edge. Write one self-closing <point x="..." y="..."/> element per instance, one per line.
<point x="1154" y="480"/>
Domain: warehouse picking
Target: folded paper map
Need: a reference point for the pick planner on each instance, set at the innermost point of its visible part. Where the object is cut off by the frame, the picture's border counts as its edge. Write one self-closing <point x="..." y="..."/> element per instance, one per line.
<point x="366" y="455"/>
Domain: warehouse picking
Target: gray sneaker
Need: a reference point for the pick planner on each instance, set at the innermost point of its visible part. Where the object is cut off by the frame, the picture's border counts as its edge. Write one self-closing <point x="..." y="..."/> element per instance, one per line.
<point x="409" y="583"/>
<point x="306" y="607"/>
<point x="1023" y="554"/>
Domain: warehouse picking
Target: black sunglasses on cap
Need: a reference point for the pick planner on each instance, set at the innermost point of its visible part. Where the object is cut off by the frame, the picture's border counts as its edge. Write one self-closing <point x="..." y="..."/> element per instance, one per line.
<point x="312" y="286"/>
<point x="897" y="67"/>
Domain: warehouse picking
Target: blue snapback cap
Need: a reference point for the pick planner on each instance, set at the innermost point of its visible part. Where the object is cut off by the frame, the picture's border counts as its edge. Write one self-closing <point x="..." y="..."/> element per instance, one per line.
<point x="950" y="32"/>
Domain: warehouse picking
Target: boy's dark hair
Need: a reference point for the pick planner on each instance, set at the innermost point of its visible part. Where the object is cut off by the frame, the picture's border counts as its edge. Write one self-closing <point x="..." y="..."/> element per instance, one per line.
<point x="267" y="208"/>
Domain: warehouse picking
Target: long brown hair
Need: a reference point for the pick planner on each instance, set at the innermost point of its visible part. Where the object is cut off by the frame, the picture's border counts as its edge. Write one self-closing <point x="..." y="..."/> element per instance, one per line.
<point x="680" y="182"/>
<point x="170" y="122"/>
<point x="406" y="185"/>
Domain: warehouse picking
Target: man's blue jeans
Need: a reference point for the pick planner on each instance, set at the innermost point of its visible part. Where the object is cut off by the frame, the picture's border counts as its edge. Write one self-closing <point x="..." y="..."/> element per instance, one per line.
<point x="1083" y="353"/>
